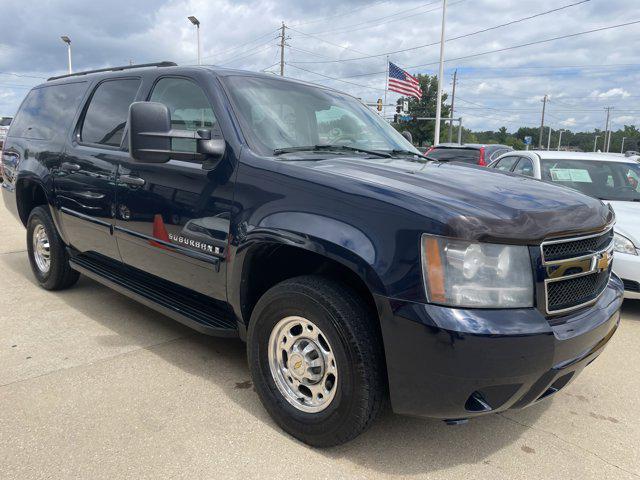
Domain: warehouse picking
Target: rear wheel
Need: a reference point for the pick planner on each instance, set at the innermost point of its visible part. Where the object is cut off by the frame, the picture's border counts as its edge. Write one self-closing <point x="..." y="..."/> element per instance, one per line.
<point x="47" y="255"/>
<point x="316" y="360"/>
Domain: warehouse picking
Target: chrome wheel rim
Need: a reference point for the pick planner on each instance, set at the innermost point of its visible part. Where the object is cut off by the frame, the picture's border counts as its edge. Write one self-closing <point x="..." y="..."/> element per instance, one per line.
<point x="302" y="364"/>
<point x="41" y="249"/>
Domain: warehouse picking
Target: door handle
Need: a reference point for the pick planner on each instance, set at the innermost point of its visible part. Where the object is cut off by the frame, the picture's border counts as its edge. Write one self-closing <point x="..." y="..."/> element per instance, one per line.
<point x="131" y="180"/>
<point x="70" y="167"/>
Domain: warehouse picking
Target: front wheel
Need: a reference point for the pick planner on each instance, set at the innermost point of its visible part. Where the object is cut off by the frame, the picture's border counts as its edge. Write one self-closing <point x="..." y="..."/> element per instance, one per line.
<point x="316" y="360"/>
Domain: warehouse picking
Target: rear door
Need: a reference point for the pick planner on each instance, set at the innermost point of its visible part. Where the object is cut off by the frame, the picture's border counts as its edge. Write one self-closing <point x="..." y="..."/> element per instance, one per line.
<point x="173" y="218"/>
<point x="85" y="180"/>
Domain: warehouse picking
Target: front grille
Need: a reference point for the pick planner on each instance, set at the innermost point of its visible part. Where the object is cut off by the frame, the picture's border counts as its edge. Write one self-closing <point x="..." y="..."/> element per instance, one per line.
<point x="576" y="248"/>
<point x="631" y="285"/>
<point x="576" y="291"/>
<point x="577" y="271"/>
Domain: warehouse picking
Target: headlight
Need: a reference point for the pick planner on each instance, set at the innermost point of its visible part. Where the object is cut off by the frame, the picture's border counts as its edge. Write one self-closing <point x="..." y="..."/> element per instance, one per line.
<point x="484" y="275"/>
<point x="622" y="244"/>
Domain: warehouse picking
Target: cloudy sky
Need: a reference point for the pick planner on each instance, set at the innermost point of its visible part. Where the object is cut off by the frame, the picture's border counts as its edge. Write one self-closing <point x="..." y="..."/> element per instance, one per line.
<point x="327" y="41"/>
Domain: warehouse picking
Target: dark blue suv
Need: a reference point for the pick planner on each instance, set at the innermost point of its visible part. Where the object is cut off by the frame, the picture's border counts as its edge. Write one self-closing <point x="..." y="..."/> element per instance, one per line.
<point x="293" y="217"/>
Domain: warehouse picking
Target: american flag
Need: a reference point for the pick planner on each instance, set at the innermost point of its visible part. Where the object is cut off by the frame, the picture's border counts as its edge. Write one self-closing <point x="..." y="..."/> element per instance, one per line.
<point x="401" y="82"/>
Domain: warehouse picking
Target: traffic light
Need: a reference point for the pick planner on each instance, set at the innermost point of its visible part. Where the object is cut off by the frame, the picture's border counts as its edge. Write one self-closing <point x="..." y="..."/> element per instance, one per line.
<point x="379" y="104"/>
<point x="398" y="109"/>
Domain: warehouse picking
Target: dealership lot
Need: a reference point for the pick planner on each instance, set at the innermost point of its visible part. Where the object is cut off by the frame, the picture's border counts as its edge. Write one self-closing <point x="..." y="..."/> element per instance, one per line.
<point x="94" y="385"/>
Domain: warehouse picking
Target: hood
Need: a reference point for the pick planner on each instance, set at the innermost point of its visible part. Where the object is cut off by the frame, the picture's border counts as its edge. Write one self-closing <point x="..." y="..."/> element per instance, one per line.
<point x="628" y="220"/>
<point x="472" y="202"/>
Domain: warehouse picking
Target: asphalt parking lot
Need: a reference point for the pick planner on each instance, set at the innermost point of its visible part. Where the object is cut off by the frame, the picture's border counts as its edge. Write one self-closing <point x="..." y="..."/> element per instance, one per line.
<point x="94" y="385"/>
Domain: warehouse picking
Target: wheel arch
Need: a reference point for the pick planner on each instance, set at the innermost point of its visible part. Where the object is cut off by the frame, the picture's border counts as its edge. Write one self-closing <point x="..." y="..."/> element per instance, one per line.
<point x="30" y="193"/>
<point x="278" y="255"/>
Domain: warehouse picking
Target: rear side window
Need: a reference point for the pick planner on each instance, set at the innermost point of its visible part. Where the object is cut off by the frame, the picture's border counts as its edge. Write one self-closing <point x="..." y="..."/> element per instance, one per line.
<point x="47" y="111"/>
<point x="505" y="164"/>
<point x="524" y="167"/>
<point x="465" y="155"/>
<point x="108" y="109"/>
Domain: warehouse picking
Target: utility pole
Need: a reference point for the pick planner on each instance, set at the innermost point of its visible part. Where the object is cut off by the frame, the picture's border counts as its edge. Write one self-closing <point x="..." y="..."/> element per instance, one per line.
<point x="622" y="147"/>
<point x="549" y="140"/>
<point x="544" y="106"/>
<point x="436" y="134"/>
<point x="595" y="142"/>
<point x="282" y="39"/>
<point x="605" y="145"/>
<point x="453" y="99"/>
<point x="560" y="137"/>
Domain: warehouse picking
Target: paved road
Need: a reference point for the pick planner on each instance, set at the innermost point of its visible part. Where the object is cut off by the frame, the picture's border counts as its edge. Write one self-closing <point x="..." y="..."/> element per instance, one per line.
<point x="93" y="385"/>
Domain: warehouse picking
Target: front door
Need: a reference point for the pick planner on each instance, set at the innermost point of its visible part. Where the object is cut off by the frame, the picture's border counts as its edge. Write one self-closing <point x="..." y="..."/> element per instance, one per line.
<point x="85" y="179"/>
<point x="172" y="219"/>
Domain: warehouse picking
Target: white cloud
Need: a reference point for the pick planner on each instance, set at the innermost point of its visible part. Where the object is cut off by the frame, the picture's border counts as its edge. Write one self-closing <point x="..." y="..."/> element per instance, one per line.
<point x="612" y="92"/>
<point x="569" y="122"/>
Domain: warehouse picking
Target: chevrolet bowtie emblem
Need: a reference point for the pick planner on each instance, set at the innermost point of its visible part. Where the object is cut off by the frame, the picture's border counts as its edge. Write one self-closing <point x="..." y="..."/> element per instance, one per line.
<point x="604" y="261"/>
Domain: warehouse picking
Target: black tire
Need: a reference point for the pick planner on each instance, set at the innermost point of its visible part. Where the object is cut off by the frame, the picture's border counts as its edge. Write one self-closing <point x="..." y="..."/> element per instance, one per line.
<point x="351" y="330"/>
<point x="59" y="275"/>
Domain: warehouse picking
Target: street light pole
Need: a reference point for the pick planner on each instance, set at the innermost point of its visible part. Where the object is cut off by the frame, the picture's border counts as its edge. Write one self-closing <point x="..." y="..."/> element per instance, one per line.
<point x="560" y="137"/>
<point x="595" y="142"/>
<point x="67" y="40"/>
<point x="436" y="135"/>
<point x="549" y="140"/>
<point x="196" y="22"/>
<point x="622" y="147"/>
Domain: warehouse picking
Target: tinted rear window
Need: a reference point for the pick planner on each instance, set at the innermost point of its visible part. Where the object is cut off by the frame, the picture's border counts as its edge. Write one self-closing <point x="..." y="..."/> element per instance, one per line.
<point x="5" y="121"/>
<point x="47" y="111"/>
<point x="465" y="155"/>
<point x="108" y="109"/>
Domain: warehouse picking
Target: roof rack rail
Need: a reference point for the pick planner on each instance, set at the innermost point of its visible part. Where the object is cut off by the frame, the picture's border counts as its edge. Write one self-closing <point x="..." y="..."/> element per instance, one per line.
<point x="116" y="69"/>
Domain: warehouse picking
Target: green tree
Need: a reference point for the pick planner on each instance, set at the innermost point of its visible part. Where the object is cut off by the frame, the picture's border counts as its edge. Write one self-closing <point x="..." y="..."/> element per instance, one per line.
<point x="422" y="131"/>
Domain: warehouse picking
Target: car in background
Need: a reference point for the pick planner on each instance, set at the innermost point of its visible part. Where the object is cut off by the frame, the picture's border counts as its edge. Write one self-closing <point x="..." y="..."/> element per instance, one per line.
<point x="5" y="122"/>
<point x="614" y="179"/>
<point x="474" y="153"/>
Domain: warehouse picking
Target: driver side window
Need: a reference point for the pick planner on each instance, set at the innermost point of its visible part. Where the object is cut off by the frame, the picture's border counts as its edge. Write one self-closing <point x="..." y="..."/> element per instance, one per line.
<point x="189" y="107"/>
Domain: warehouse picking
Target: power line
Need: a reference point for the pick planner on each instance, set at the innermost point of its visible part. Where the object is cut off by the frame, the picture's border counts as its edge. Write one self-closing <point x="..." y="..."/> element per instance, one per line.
<point x="237" y="47"/>
<point x="349" y="28"/>
<point x="260" y="49"/>
<point x="351" y="12"/>
<point x="333" y="78"/>
<point x="22" y="76"/>
<point x="513" y="47"/>
<point x="327" y="41"/>
<point x="512" y="22"/>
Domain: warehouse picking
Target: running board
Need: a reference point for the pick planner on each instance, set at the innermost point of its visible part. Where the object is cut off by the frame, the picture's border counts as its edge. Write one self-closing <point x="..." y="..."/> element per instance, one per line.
<point x="192" y="309"/>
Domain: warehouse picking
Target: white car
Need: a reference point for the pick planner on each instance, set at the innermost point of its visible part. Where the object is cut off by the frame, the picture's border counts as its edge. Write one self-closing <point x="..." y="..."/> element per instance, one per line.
<point x="5" y="122"/>
<point x="614" y="179"/>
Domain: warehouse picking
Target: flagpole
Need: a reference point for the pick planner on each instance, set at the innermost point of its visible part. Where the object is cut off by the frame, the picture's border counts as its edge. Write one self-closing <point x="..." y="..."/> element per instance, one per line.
<point x="386" y="87"/>
<point x="436" y="135"/>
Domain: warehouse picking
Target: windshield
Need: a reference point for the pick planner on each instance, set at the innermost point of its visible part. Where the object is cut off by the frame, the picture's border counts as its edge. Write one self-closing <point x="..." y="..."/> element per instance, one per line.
<point x="281" y="115"/>
<point x="603" y="180"/>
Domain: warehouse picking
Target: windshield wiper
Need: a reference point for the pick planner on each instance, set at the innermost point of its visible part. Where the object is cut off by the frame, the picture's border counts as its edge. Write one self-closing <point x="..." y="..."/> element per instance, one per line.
<point x="329" y="148"/>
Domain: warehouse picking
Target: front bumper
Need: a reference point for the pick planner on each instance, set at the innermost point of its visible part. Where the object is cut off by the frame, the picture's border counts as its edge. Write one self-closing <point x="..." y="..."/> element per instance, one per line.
<point x="627" y="267"/>
<point x="453" y="363"/>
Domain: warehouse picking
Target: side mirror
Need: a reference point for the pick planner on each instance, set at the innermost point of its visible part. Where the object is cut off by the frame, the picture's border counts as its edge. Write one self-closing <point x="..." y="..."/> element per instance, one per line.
<point x="144" y="118"/>
<point x="150" y="135"/>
